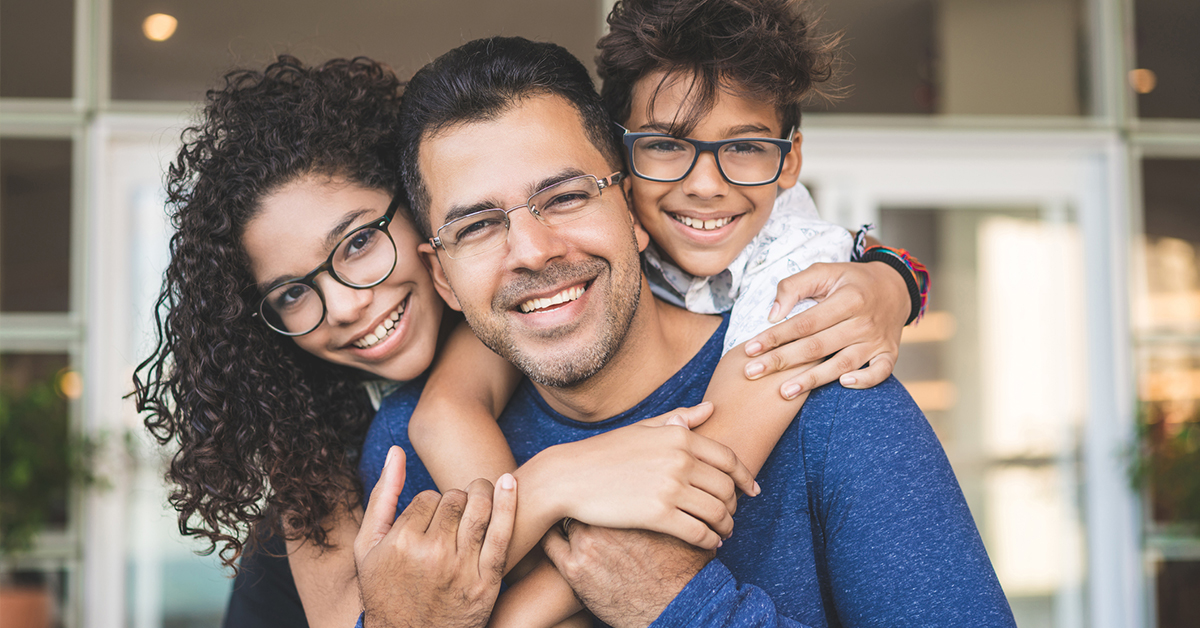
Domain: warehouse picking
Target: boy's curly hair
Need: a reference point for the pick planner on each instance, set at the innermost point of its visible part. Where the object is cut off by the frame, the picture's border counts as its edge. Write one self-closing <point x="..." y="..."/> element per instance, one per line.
<point x="267" y="434"/>
<point x="762" y="49"/>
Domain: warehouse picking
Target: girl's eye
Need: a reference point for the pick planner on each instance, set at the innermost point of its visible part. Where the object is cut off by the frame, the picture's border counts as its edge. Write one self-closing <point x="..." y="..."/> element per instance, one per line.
<point x="360" y="242"/>
<point x="289" y="297"/>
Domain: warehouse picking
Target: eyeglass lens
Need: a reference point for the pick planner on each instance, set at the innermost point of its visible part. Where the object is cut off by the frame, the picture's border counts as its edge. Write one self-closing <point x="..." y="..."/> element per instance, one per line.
<point x="554" y="205"/>
<point x="745" y="162"/>
<point x="362" y="259"/>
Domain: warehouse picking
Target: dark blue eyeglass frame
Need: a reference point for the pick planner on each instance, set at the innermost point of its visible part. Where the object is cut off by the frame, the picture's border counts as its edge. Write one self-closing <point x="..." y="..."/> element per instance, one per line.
<point x="629" y="138"/>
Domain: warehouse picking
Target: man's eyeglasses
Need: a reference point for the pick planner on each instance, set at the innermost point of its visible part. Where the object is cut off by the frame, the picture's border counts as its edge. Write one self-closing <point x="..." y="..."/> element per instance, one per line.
<point x="742" y="161"/>
<point x="482" y="231"/>
<point x="362" y="259"/>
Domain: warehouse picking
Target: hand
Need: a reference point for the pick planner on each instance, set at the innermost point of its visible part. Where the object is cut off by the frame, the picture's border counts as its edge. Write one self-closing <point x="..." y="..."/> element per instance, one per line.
<point x="624" y="577"/>
<point x="655" y="475"/>
<point x="441" y="561"/>
<point x="858" y="320"/>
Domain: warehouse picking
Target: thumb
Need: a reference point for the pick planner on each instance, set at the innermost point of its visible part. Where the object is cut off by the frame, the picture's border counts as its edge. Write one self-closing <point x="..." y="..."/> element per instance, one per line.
<point x="692" y="417"/>
<point x="812" y="282"/>
<point x="381" y="509"/>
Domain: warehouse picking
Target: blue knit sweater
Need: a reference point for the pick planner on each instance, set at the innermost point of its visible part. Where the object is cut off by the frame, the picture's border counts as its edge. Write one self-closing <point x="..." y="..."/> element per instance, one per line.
<point x="861" y="521"/>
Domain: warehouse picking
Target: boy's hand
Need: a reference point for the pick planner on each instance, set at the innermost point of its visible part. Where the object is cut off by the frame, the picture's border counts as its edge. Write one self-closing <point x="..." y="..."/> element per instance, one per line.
<point x="858" y="320"/>
<point x="656" y="475"/>
<point x="440" y="562"/>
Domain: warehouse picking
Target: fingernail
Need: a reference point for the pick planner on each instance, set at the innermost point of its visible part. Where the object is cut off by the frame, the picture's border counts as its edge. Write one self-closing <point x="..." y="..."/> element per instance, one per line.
<point x="391" y="455"/>
<point x="754" y="369"/>
<point x="791" y="390"/>
<point x="757" y="489"/>
<point x="508" y="482"/>
<point x="719" y="544"/>
<point x="754" y="348"/>
<point x="849" y="380"/>
<point x="773" y="317"/>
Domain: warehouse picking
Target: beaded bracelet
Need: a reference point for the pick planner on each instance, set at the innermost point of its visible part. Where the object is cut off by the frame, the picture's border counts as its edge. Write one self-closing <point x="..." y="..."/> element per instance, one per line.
<point x="915" y="275"/>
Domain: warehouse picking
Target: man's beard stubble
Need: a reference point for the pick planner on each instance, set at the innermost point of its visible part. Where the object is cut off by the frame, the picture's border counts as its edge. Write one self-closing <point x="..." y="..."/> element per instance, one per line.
<point x="574" y="365"/>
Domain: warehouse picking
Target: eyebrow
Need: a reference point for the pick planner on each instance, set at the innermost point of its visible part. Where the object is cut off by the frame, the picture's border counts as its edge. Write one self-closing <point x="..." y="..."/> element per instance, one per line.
<point x="742" y="130"/>
<point x="458" y="211"/>
<point x="332" y="238"/>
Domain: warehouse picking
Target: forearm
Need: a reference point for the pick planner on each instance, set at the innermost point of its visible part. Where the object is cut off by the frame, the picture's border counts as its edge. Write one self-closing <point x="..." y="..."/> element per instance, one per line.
<point x="749" y="417"/>
<point x="541" y="599"/>
<point x="326" y="578"/>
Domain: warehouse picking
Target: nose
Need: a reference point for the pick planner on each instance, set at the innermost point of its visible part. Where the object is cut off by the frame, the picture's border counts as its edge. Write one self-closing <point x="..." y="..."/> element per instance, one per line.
<point x="531" y="245"/>
<point x="343" y="305"/>
<point x="705" y="180"/>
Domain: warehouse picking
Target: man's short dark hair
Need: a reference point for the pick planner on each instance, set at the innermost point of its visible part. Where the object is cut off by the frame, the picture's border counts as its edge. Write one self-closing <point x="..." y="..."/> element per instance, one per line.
<point x="483" y="79"/>
<point x="763" y="49"/>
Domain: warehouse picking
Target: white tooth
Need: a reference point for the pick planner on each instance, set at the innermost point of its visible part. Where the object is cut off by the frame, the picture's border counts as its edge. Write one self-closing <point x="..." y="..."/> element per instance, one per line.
<point x="380" y="331"/>
<point x="389" y="323"/>
<point x="558" y="298"/>
<point x="710" y="224"/>
<point x="370" y="339"/>
<point x="395" y="316"/>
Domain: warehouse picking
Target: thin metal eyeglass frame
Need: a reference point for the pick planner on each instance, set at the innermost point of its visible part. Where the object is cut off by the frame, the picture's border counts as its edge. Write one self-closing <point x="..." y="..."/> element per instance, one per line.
<point x="602" y="184"/>
<point x="381" y="224"/>
<point x="629" y="138"/>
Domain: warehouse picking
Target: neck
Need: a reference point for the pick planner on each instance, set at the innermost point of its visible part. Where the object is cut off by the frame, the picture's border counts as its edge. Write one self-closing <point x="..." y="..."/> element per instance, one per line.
<point x="662" y="338"/>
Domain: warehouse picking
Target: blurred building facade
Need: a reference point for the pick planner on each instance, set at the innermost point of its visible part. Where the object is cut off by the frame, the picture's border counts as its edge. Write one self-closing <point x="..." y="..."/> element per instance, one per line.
<point x="1041" y="156"/>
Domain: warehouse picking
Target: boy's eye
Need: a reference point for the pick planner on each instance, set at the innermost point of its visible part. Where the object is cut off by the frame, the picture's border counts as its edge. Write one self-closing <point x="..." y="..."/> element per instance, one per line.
<point x="745" y="148"/>
<point x="664" y="145"/>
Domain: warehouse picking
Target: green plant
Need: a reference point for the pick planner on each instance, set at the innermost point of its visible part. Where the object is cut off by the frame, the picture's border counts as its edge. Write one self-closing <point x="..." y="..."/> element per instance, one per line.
<point x="1167" y="461"/>
<point x="40" y="460"/>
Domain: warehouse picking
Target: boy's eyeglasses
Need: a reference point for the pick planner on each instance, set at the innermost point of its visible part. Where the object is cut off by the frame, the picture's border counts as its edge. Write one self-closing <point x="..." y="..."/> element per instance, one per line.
<point x="742" y="161"/>
<point x="362" y="259"/>
<point x="482" y="231"/>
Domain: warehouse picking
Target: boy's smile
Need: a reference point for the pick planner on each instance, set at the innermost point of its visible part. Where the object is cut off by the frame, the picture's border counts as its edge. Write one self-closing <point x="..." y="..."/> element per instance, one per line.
<point x="703" y="221"/>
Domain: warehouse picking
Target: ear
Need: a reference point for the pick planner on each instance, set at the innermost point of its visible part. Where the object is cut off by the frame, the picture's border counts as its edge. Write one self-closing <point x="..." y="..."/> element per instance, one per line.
<point x="791" y="163"/>
<point x="433" y="264"/>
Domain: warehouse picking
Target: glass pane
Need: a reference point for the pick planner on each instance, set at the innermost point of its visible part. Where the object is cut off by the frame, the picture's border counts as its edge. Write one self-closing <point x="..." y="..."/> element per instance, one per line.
<point x="37" y="46"/>
<point x="35" y="225"/>
<point x="1167" y="78"/>
<point x="36" y="461"/>
<point x="1167" y="342"/>
<point x="1019" y="57"/>
<point x="985" y="364"/>
<point x="211" y="37"/>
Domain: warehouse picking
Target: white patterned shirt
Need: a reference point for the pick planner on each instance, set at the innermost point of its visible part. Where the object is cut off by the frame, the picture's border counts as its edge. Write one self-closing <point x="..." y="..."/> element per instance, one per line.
<point x="793" y="238"/>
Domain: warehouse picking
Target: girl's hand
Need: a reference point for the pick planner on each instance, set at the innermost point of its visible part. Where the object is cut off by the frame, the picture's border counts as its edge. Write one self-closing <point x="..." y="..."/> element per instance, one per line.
<point x="861" y="311"/>
<point x="654" y="475"/>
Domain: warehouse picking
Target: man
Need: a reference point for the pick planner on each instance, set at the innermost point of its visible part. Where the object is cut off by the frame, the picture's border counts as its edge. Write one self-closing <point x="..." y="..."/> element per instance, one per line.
<point x="861" y="520"/>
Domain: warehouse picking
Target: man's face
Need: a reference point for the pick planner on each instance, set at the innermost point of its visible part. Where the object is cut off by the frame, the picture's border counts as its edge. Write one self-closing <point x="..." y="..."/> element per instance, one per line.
<point x="589" y="266"/>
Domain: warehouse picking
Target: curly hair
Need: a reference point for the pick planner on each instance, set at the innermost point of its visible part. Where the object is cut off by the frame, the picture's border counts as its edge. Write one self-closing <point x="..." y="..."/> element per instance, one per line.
<point x="762" y="49"/>
<point x="267" y="435"/>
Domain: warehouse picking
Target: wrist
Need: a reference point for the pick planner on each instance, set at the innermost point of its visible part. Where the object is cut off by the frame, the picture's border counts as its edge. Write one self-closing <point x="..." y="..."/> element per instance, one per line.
<point x="540" y="499"/>
<point x="910" y="271"/>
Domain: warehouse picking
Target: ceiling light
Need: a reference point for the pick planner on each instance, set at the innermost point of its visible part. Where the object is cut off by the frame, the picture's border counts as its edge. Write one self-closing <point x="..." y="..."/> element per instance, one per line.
<point x="159" y="27"/>
<point x="1143" y="81"/>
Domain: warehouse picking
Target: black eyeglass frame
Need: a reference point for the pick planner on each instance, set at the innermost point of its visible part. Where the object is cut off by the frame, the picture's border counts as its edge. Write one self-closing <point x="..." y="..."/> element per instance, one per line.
<point x="629" y="138"/>
<point x="381" y="224"/>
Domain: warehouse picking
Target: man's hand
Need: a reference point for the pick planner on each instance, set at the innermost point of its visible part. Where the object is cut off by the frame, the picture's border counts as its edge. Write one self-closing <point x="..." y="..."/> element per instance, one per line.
<point x="626" y="578"/>
<point x="440" y="562"/>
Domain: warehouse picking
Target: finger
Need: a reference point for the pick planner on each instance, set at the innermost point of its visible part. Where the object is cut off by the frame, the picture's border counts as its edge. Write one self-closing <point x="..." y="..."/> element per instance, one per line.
<point x="493" y="556"/>
<point x="419" y="513"/>
<point x="449" y="514"/>
<point x="557" y="547"/>
<point x="844" y="361"/>
<point x="713" y="482"/>
<point x="712" y="511"/>
<point x="806" y="351"/>
<point x="820" y="317"/>
<point x="475" y="517"/>
<point x="684" y="417"/>
<point x="717" y="455"/>
<point x="875" y="373"/>
<point x="381" y="508"/>
<point x="687" y="528"/>
<point x="814" y="282"/>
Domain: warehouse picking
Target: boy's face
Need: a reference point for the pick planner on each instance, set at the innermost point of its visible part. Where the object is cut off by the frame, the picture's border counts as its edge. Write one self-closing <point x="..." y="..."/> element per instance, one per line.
<point x="732" y="214"/>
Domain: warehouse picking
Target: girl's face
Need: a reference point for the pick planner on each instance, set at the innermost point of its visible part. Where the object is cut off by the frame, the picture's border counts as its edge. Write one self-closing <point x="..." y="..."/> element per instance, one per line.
<point x="296" y="228"/>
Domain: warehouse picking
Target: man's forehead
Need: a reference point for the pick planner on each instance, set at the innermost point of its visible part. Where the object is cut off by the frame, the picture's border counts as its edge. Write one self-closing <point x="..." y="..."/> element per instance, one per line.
<point x="502" y="160"/>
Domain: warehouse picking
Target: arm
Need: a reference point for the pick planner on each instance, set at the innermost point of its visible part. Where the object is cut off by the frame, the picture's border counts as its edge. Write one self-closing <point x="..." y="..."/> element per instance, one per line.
<point x="326" y="578"/>
<point x="541" y="598"/>
<point x="453" y="428"/>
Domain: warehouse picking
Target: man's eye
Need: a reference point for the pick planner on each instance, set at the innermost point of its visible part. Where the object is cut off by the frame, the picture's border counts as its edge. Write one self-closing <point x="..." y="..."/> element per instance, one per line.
<point x="565" y="201"/>
<point x="478" y="228"/>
